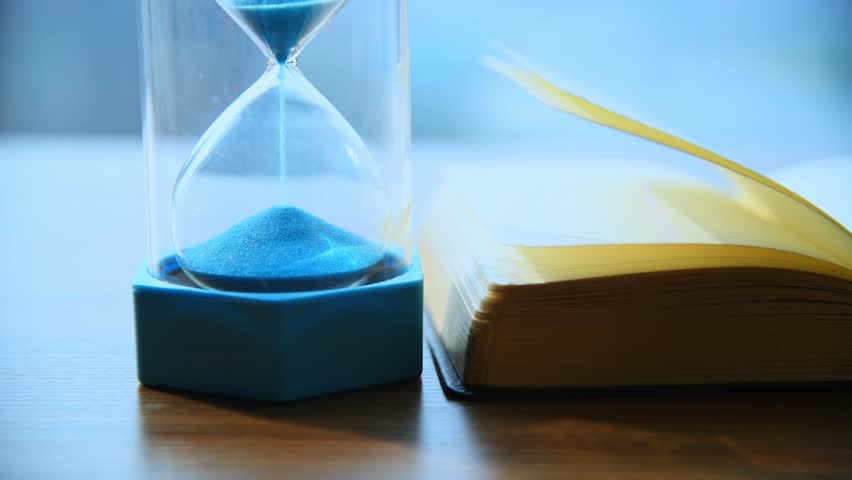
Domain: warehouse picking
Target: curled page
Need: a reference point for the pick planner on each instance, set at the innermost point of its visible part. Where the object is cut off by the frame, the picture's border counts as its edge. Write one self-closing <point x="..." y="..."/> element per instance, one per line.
<point x="764" y="195"/>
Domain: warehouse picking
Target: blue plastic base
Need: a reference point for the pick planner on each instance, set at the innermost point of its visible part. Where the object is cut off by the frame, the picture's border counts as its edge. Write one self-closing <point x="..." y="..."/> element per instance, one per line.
<point x="282" y="346"/>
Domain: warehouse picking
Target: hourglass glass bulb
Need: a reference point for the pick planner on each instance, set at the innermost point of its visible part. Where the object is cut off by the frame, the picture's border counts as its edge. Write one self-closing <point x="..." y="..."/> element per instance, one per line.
<point x="282" y="27"/>
<point x="280" y="193"/>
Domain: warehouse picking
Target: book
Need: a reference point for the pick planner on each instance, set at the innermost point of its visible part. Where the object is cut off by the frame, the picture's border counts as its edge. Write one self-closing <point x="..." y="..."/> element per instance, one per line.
<point x="598" y="274"/>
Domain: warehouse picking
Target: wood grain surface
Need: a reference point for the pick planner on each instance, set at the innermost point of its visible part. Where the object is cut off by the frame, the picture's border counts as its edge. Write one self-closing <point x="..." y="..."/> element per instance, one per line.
<point x="72" y="219"/>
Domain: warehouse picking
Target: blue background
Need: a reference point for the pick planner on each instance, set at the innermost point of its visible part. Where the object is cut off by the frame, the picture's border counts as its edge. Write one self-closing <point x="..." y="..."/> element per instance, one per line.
<point x="769" y="82"/>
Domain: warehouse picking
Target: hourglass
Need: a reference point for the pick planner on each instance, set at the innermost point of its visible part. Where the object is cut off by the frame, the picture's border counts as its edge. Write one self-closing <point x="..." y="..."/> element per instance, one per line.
<point x="251" y="207"/>
<point x="279" y="252"/>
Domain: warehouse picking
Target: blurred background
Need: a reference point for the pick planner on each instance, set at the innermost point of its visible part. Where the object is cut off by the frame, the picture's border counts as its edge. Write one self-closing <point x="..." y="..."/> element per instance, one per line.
<point x="768" y="82"/>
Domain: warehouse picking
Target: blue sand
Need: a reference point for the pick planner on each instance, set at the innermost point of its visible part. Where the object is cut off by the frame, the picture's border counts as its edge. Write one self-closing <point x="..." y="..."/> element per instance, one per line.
<point x="282" y="24"/>
<point x="282" y="249"/>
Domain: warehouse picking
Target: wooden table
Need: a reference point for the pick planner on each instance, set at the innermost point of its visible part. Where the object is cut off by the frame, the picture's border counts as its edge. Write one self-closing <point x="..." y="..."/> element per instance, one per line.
<point x="71" y="213"/>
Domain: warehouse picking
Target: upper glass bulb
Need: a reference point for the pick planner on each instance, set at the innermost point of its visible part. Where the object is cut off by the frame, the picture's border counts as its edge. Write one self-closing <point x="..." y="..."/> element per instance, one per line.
<point x="281" y="27"/>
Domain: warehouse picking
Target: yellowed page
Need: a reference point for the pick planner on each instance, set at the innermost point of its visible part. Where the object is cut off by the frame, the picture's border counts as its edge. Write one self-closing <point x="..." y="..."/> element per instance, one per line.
<point x="537" y="222"/>
<point x="575" y="202"/>
<point x="818" y="234"/>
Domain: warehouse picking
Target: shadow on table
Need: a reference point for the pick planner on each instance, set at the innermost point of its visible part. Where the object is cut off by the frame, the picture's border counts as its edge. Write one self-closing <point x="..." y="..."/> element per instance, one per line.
<point x="370" y="431"/>
<point x="388" y="431"/>
<point x="389" y="412"/>
<point x="712" y="435"/>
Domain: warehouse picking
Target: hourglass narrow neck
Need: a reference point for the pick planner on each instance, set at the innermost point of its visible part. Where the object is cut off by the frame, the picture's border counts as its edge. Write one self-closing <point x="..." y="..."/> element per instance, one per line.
<point x="290" y="62"/>
<point x="274" y="61"/>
